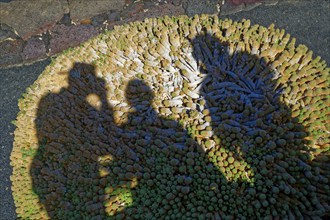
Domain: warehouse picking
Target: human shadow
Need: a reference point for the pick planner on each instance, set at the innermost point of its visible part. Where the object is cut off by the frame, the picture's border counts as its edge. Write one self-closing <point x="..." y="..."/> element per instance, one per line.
<point x="88" y="167"/>
<point x="174" y="175"/>
<point x="73" y="128"/>
<point x="260" y="166"/>
<point x="256" y="128"/>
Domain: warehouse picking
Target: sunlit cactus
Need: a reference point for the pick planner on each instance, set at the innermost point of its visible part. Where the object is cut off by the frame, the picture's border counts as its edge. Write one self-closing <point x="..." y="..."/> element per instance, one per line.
<point x="176" y="118"/>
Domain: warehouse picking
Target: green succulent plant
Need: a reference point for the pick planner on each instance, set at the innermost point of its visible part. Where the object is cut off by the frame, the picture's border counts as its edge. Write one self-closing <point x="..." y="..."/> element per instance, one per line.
<point x="225" y="121"/>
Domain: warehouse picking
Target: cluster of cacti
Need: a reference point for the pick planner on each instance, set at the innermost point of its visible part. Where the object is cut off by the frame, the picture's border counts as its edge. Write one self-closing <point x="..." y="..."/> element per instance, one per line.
<point x="180" y="118"/>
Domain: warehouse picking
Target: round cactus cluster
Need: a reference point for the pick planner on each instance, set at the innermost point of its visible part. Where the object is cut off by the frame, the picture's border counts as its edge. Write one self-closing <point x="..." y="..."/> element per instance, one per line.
<point x="176" y="118"/>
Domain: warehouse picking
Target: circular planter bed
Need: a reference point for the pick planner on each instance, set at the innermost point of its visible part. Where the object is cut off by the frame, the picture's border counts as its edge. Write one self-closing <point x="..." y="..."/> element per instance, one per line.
<point x="176" y="118"/>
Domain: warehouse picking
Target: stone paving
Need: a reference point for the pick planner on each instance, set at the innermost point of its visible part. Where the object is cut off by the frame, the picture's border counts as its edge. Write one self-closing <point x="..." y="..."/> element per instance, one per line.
<point x="34" y="30"/>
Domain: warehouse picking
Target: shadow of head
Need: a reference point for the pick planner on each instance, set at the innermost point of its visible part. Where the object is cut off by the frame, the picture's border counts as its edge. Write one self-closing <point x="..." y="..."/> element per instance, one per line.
<point x="84" y="82"/>
<point x="83" y="75"/>
<point x="138" y="94"/>
<point x="81" y="71"/>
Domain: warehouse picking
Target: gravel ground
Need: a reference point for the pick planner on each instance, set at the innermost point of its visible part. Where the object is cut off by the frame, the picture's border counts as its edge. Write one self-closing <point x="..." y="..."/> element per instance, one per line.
<point x="308" y="21"/>
<point x="13" y="83"/>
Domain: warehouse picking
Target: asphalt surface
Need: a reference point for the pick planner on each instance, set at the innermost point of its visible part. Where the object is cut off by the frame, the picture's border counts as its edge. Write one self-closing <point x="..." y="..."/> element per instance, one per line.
<point x="13" y="82"/>
<point x="307" y="21"/>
